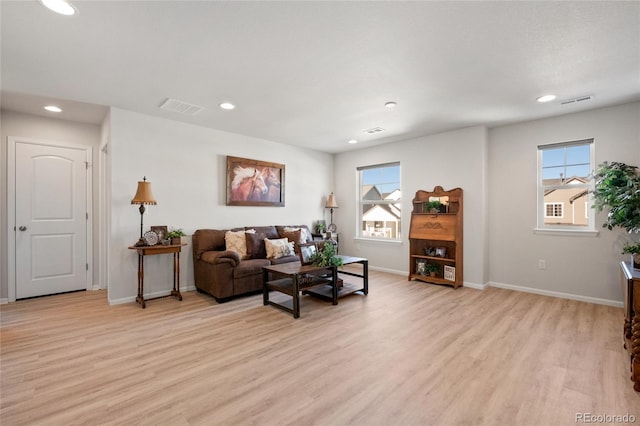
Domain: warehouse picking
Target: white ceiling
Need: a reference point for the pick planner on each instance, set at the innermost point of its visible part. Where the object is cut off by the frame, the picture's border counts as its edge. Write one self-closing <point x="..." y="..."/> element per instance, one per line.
<point x="316" y="74"/>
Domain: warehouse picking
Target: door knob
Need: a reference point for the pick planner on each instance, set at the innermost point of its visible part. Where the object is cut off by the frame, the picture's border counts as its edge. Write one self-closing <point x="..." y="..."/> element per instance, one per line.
<point x="23" y="228"/>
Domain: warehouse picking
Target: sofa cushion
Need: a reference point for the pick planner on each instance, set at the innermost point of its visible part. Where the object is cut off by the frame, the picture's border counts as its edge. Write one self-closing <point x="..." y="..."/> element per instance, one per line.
<point x="255" y="245"/>
<point x="250" y="267"/>
<point x="268" y="231"/>
<point x="278" y="248"/>
<point x="285" y="259"/>
<point x="236" y="241"/>
<point x="306" y="233"/>
<point x="295" y="237"/>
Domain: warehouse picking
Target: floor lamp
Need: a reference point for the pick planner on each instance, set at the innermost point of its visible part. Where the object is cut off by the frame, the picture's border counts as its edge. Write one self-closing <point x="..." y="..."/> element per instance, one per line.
<point x="143" y="196"/>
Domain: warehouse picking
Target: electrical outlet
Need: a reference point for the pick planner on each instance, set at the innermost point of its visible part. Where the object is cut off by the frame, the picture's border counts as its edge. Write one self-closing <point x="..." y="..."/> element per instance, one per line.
<point x="542" y="264"/>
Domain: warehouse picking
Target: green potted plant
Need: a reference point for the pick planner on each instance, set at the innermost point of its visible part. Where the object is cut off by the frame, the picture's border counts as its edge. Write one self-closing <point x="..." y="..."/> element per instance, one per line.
<point x="326" y="256"/>
<point x="617" y="189"/>
<point x="433" y="206"/>
<point x="431" y="269"/>
<point x="320" y="226"/>
<point x="175" y="235"/>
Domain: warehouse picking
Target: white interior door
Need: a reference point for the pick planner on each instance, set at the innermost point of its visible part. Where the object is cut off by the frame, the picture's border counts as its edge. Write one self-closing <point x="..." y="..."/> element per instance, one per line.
<point x="50" y="219"/>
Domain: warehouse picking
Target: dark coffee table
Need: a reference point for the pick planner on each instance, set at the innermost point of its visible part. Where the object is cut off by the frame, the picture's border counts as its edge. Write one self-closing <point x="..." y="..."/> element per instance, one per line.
<point x="292" y="278"/>
<point x="325" y="291"/>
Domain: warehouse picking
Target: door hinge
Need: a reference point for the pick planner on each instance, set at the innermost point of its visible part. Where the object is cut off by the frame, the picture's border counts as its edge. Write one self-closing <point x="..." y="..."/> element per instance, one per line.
<point x="87" y="215"/>
<point x="87" y="265"/>
<point x="86" y="165"/>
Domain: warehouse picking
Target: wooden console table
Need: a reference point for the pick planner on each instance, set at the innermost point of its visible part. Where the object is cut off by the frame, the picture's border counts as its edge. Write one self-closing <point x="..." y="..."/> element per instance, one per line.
<point x="158" y="249"/>
<point x="631" y="292"/>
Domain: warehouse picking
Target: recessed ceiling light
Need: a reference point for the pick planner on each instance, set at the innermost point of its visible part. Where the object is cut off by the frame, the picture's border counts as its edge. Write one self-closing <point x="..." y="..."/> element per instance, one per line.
<point x="546" y="98"/>
<point x="391" y="104"/>
<point x="352" y="141"/>
<point x="227" y="105"/>
<point x="62" y="7"/>
<point x="53" y="108"/>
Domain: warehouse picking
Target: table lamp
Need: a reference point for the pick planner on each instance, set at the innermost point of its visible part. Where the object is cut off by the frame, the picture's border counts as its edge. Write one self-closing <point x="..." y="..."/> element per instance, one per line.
<point x="331" y="204"/>
<point x="143" y="196"/>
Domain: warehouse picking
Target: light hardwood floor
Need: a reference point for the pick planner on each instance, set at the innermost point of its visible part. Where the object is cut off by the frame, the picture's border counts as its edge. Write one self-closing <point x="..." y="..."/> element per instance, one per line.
<point x="410" y="353"/>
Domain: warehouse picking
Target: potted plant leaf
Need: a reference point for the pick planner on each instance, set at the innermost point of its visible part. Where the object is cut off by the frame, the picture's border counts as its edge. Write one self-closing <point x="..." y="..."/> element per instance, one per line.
<point x="433" y="206"/>
<point x="326" y="256"/>
<point x="431" y="269"/>
<point x="175" y="235"/>
<point x="617" y="189"/>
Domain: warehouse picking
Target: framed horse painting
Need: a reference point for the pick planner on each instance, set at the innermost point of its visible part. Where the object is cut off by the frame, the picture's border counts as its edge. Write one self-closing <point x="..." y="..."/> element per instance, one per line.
<point x="254" y="183"/>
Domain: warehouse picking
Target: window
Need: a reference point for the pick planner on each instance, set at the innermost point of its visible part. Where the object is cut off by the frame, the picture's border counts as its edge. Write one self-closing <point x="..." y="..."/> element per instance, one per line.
<point x="564" y="184"/>
<point x="553" y="209"/>
<point x="380" y="211"/>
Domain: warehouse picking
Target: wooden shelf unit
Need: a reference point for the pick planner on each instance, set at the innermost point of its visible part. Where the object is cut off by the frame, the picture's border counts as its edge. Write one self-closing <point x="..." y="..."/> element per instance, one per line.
<point x="437" y="230"/>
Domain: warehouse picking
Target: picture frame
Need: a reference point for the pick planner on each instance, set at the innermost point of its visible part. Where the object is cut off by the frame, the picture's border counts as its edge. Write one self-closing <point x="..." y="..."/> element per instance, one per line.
<point x="449" y="273"/>
<point x="254" y="183"/>
<point x="441" y="252"/>
<point x="306" y="252"/>
<point x="161" y="231"/>
<point x="421" y="267"/>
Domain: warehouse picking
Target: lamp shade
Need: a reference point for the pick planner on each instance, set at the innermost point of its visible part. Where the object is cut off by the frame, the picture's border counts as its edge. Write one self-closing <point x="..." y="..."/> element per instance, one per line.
<point x="143" y="194"/>
<point x="331" y="202"/>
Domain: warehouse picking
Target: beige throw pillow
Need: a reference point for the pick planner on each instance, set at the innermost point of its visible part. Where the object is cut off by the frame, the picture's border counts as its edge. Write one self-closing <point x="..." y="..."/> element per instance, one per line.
<point x="305" y="235"/>
<point x="278" y="248"/>
<point x="236" y="241"/>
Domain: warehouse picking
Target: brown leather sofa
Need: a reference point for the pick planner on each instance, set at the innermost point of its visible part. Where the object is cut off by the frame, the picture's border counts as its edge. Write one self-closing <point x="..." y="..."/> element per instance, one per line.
<point x="223" y="273"/>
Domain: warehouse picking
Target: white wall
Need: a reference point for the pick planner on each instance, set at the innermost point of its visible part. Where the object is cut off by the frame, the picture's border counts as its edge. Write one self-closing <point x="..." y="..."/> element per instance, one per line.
<point x="584" y="266"/>
<point x="31" y="126"/>
<point x="452" y="159"/>
<point x="186" y="166"/>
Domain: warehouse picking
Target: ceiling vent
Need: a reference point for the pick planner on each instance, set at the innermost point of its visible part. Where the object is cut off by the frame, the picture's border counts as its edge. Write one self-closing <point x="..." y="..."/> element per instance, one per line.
<point x="373" y="130"/>
<point x="180" y="107"/>
<point x="576" y="100"/>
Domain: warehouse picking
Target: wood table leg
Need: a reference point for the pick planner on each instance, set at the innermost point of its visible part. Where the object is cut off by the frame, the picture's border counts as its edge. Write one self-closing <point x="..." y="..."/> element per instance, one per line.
<point x="140" y="298"/>
<point x="296" y="296"/>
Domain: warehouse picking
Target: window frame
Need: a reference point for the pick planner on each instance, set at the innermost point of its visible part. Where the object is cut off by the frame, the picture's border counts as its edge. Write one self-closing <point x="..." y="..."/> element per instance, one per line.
<point x="361" y="202"/>
<point x="542" y="228"/>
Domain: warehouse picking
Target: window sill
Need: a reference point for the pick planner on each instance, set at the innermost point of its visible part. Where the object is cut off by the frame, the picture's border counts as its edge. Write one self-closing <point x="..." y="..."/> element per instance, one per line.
<point x="566" y="232"/>
<point x="377" y="240"/>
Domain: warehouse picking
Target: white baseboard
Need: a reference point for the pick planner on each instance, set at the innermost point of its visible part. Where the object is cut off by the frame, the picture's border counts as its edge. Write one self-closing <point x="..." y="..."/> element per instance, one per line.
<point x="163" y="293"/>
<point x="476" y="286"/>
<point x="391" y="271"/>
<point x="596" y="300"/>
<point x="4" y="300"/>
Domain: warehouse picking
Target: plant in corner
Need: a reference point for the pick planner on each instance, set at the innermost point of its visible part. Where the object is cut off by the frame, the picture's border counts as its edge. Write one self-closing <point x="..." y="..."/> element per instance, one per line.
<point x="617" y="189"/>
<point x="327" y="256"/>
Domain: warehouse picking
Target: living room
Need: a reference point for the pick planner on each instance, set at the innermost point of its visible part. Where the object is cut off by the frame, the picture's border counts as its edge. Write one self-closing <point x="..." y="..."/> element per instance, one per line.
<point x="495" y="164"/>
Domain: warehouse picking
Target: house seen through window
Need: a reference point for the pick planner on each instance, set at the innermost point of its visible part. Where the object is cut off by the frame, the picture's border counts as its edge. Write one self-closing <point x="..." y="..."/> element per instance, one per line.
<point x="564" y="184"/>
<point x="380" y="211"/>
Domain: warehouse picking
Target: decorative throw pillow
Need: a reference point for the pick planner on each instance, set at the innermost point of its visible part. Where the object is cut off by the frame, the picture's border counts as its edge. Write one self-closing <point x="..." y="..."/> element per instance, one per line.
<point x="255" y="245"/>
<point x="278" y="248"/>
<point x="236" y="241"/>
<point x="304" y="233"/>
<point x="295" y="237"/>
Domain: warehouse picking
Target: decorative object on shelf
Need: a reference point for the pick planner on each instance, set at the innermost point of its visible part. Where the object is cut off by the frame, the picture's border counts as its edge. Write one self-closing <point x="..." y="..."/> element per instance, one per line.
<point x="436" y="238"/>
<point x="326" y="256"/>
<point x="175" y="234"/>
<point x="150" y="238"/>
<point x="161" y="231"/>
<point x="331" y="204"/>
<point x="634" y="251"/>
<point x="321" y="226"/>
<point x="143" y="196"/>
<point x="432" y="206"/>
<point x="449" y="273"/>
<point x="441" y="252"/>
<point x="431" y="269"/>
<point x="254" y="183"/>
<point x="617" y="189"/>
<point x="421" y="267"/>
